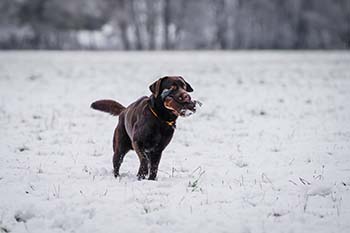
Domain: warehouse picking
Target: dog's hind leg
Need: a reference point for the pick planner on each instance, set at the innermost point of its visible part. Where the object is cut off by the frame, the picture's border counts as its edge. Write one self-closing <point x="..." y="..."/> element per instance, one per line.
<point x="121" y="145"/>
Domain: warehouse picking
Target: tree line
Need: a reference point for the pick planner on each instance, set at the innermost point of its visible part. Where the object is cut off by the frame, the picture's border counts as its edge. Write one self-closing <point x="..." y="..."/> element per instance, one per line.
<point x="174" y="24"/>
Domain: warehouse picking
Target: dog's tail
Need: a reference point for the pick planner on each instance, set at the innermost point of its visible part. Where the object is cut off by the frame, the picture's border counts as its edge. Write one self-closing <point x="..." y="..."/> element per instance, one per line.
<point x="109" y="106"/>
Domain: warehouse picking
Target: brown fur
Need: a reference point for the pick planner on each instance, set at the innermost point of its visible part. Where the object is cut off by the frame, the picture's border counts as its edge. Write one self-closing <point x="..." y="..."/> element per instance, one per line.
<point x="147" y="125"/>
<point x="109" y="106"/>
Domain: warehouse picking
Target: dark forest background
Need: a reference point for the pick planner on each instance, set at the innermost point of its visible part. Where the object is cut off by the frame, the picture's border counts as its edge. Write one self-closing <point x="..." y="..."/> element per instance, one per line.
<point x="174" y="24"/>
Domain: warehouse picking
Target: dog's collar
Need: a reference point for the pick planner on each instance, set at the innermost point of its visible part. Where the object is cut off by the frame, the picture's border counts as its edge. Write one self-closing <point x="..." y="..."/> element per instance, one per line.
<point x="170" y="123"/>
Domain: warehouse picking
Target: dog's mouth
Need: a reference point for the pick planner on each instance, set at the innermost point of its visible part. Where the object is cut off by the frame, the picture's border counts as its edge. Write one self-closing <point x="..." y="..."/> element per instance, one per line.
<point x="177" y="106"/>
<point x="181" y="109"/>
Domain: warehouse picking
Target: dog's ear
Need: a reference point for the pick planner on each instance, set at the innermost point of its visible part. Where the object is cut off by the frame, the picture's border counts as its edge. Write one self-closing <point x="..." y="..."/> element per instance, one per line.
<point x="188" y="86"/>
<point x="155" y="87"/>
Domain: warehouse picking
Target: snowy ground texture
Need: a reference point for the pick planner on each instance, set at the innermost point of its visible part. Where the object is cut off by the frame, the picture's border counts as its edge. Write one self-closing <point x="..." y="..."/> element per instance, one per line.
<point x="269" y="151"/>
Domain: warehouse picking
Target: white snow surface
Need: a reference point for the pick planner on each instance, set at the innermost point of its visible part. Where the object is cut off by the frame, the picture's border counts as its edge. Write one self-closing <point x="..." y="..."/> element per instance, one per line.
<point x="269" y="151"/>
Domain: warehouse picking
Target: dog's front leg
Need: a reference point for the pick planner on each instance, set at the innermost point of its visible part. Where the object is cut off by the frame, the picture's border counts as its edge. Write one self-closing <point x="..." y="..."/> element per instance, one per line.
<point x="154" y="160"/>
<point x="143" y="169"/>
<point x="144" y="162"/>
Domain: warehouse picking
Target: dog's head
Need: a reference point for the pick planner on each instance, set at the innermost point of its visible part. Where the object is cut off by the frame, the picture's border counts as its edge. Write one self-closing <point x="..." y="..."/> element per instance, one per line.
<point x="173" y="92"/>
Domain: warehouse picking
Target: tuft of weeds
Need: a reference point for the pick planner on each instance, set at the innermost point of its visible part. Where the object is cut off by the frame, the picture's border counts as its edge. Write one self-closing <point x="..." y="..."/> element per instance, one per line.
<point x="23" y="216"/>
<point x="146" y="209"/>
<point x="241" y="163"/>
<point x="194" y="185"/>
<point x="4" y="229"/>
<point x="23" y="148"/>
<point x="276" y="214"/>
<point x="19" y="218"/>
<point x="40" y="170"/>
<point x="56" y="191"/>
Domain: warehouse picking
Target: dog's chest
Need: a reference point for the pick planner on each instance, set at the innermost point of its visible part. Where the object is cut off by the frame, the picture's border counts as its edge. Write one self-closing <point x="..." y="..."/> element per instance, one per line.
<point x="153" y="139"/>
<point x="157" y="139"/>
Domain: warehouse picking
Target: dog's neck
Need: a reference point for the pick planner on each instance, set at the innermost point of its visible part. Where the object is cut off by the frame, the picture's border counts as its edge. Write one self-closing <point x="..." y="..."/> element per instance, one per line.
<point x="161" y="112"/>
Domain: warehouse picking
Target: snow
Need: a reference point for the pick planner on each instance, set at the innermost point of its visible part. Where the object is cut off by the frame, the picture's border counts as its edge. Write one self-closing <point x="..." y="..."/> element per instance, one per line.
<point x="267" y="152"/>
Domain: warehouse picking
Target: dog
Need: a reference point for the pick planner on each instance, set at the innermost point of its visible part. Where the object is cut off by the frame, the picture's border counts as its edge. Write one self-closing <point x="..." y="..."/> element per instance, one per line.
<point x="148" y="124"/>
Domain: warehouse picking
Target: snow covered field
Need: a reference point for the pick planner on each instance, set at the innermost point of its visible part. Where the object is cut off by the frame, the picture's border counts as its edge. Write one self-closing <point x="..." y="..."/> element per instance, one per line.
<point x="269" y="151"/>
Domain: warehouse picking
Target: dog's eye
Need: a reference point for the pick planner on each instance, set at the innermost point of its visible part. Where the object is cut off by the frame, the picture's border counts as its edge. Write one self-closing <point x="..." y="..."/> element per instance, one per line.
<point x="180" y="98"/>
<point x="174" y="87"/>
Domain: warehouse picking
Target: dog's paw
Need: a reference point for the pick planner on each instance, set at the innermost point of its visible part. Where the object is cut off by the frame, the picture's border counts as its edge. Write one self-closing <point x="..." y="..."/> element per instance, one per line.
<point x="141" y="176"/>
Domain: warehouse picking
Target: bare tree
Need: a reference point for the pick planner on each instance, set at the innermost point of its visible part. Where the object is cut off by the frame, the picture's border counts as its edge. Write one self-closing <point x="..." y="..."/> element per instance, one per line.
<point x="151" y="23"/>
<point x="221" y="22"/>
<point x="177" y="24"/>
<point x="166" y="23"/>
<point x="121" y="16"/>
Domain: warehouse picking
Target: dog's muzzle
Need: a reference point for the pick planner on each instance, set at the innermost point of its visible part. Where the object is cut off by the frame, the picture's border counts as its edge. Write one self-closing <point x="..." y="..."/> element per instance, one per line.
<point x="183" y="109"/>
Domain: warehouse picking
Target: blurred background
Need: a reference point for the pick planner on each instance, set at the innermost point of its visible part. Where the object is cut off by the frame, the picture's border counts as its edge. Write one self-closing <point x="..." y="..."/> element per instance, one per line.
<point x="174" y="24"/>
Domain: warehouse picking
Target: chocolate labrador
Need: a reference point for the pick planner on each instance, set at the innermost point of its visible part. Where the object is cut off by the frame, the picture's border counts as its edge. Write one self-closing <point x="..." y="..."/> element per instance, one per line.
<point x="148" y="124"/>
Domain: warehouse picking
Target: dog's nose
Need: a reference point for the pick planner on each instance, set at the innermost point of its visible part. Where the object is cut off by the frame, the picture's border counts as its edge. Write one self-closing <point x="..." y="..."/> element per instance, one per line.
<point x="185" y="98"/>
